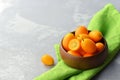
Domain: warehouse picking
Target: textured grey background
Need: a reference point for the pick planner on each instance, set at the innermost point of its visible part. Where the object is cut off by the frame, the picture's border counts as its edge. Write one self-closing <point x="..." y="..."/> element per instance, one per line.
<point x="30" y="28"/>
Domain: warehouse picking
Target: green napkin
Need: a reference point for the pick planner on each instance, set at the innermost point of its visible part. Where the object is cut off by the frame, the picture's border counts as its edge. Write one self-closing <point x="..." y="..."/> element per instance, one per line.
<point x="107" y="21"/>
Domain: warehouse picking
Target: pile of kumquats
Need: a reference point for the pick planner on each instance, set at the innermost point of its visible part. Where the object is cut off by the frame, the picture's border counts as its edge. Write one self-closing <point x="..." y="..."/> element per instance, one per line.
<point x="82" y="42"/>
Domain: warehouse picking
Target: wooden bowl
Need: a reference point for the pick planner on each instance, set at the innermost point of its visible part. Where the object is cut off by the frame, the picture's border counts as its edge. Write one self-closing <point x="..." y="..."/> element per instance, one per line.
<point x="84" y="62"/>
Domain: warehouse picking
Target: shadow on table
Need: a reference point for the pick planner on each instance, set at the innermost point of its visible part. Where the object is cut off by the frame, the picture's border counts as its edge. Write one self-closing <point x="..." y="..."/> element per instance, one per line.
<point x="98" y="76"/>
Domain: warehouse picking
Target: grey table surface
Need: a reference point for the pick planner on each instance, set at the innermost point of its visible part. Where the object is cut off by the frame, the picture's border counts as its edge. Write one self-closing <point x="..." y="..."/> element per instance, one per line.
<point x="30" y="28"/>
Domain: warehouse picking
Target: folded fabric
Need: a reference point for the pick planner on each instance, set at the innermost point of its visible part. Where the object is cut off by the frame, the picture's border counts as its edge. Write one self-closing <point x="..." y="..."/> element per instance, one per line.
<point x="107" y="21"/>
